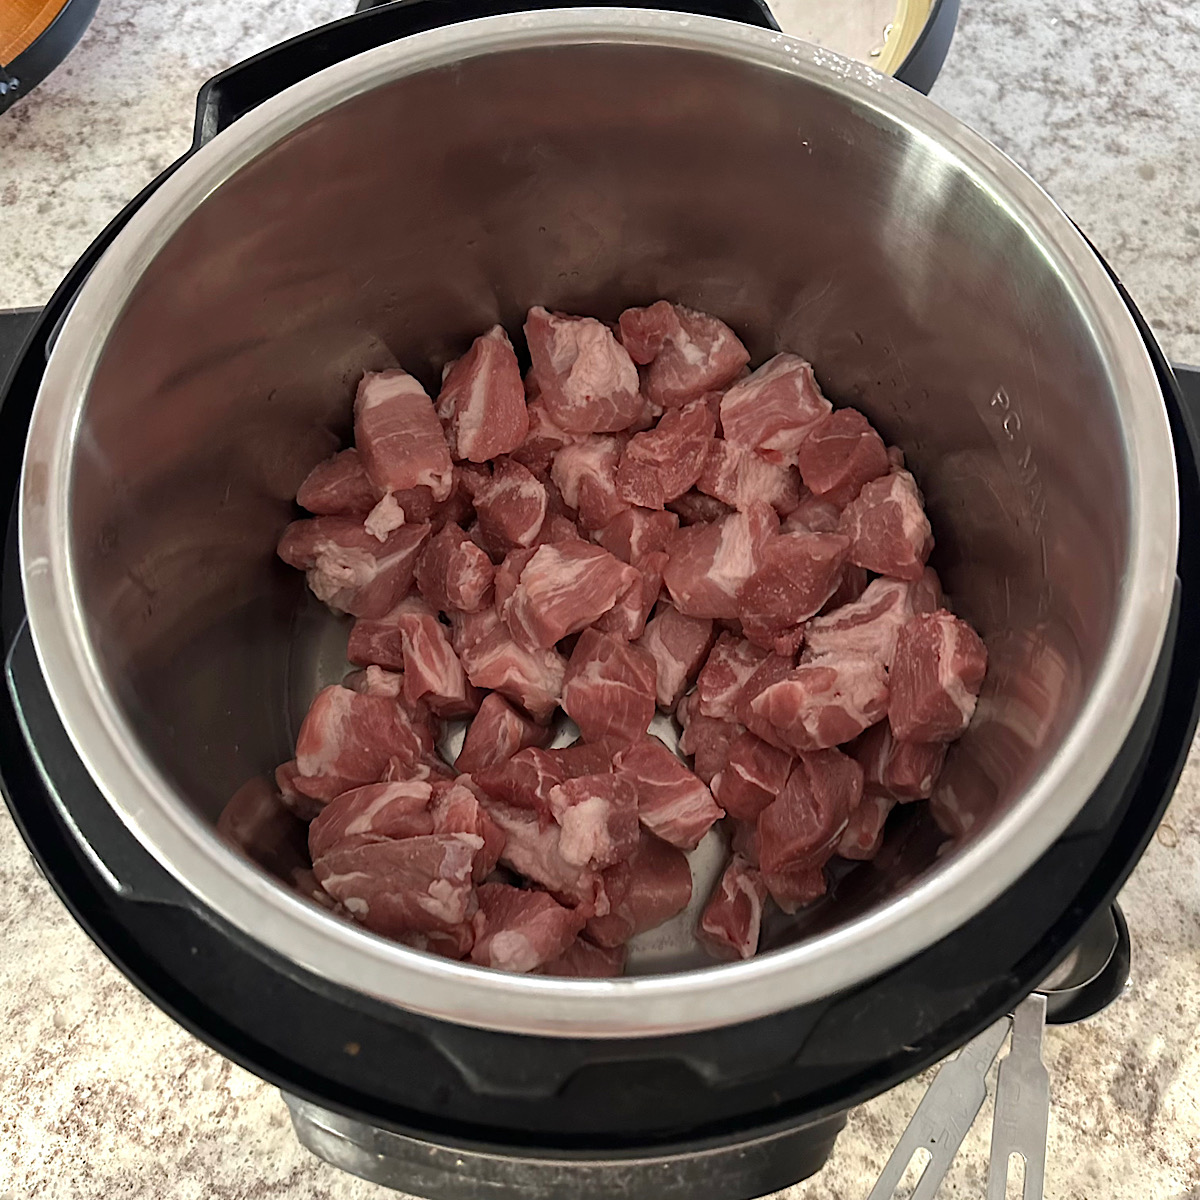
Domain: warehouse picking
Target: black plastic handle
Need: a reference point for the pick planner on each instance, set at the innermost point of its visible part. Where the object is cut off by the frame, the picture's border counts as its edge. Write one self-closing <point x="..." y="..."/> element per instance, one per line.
<point x="233" y="93"/>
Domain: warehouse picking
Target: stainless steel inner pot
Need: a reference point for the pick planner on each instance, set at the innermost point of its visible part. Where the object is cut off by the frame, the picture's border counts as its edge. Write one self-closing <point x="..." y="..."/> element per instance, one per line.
<point x="389" y="208"/>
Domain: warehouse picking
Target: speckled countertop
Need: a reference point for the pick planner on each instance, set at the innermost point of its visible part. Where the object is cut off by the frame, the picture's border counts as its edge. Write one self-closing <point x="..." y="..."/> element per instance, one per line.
<point x="103" y="1096"/>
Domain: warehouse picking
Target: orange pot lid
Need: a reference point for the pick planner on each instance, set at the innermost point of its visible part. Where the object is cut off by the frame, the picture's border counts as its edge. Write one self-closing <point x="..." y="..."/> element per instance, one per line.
<point x="22" y="22"/>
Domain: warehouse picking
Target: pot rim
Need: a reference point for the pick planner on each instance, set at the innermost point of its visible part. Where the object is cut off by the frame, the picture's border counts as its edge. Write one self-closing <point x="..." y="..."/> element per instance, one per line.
<point x="951" y="892"/>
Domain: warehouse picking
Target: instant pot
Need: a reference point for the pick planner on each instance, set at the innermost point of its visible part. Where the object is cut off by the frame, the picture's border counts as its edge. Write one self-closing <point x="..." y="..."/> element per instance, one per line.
<point x="357" y="198"/>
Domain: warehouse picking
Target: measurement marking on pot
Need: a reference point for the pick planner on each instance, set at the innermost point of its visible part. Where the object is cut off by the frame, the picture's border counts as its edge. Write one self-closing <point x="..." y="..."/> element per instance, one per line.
<point x="1027" y="471"/>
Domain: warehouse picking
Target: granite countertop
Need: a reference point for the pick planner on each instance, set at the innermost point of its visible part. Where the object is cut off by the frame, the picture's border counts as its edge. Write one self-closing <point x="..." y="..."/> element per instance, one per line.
<point x="101" y="1095"/>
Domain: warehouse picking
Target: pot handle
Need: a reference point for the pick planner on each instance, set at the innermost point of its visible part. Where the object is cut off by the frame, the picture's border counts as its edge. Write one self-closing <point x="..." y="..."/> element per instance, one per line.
<point x="233" y="93"/>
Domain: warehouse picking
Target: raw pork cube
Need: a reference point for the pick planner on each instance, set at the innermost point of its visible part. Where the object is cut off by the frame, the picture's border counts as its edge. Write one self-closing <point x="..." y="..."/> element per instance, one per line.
<point x="688" y="353"/>
<point x="291" y="797"/>
<point x="813" y="514"/>
<point x="511" y="507"/>
<point x="519" y="930"/>
<point x="799" y="831"/>
<point x="841" y="453"/>
<point x="453" y="573"/>
<point x="585" y="473"/>
<point x="586" y="380"/>
<point x="661" y="464"/>
<point x="543" y="441"/>
<point x="773" y="669"/>
<point x="374" y="812"/>
<point x="672" y="802"/>
<point x="635" y="532"/>
<point x="346" y="739"/>
<point x="257" y="822"/>
<point x="348" y="568"/>
<point x="904" y="770"/>
<point x="583" y="960"/>
<point x="339" y="486"/>
<point x="887" y="527"/>
<point x="853" y="584"/>
<point x="822" y="703"/>
<point x="738" y="477"/>
<point x="413" y="885"/>
<point x="482" y="400"/>
<point x="678" y="644"/>
<point x="871" y="624"/>
<point x="753" y="775"/>
<point x="432" y="671"/>
<point x="710" y="563"/>
<point x="531" y="678"/>
<point x="399" y="436"/>
<point x="705" y="739"/>
<point x="564" y="588"/>
<point x="729" y="666"/>
<point x="730" y="924"/>
<point x="862" y="838"/>
<point x="695" y="508"/>
<point x="652" y="887"/>
<point x="609" y="688"/>
<point x="936" y="677"/>
<point x="525" y="780"/>
<point x="456" y="809"/>
<point x="627" y="618"/>
<point x="775" y="409"/>
<point x="799" y="572"/>
<point x="598" y="816"/>
<point x="532" y="848"/>
<point x="497" y="732"/>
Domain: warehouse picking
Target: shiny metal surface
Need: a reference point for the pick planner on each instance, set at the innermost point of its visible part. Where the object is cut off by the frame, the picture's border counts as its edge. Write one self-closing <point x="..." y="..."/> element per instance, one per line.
<point x="387" y="209"/>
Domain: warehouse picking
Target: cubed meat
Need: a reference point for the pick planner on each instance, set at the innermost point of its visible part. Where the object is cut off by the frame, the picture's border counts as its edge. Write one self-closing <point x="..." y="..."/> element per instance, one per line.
<point x="376" y="681"/>
<point x="774" y="410"/>
<point x="563" y="588"/>
<point x="793" y="887"/>
<point x="257" y="822"/>
<point x="695" y="508"/>
<point x="347" y="739"/>
<point x="583" y="960"/>
<point x="511" y="506"/>
<point x="635" y="532"/>
<point x="672" y="802"/>
<point x="585" y="474"/>
<point x="482" y="400"/>
<point x="753" y="775"/>
<point x="532" y="849"/>
<point x="531" y="678"/>
<point x="598" y="816"/>
<point x="453" y="573"/>
<point x="386" y="517"/>
<point x="853" y="583"/>
<point x="725" y="673"/>
<point x="338" y="486"/>
<point x="738" y="477"/>
<point x="652" y="887"/>
<point x="525" y="780"/>
<point x="411" y="885"/>
<point x="519" y="930"/>
<point x="349" y="569"/>
<point x="496" y="733"/>
<point x="687" y="353"/>
<point x="609" y="688"/>
<point x="709" y="564"/>
<point x="456" y="809"/>
<point x="800" y="829"/>
<point x="398" y="435"/>
<point x="812" y="514"/>
<point x="543" y="441"/>
<point x="375" y="812"/>
<point x="627" y="618"/>
<point x="887" y="527"/>
<point x="705" y="739"/>
<point x="871" y="624"/>
<point x="468" y="630"/>
<point x="586" y="380"/>
<point x="905" y="770"/>
<point x="432" y="671"/>
<point x="678" y="644"/>
<point x="821" y="703"/>
<point x="862" y="838"/>
<point x="664" y="462"/>
<point x="732" y="918"/>
<point x="840" y="454"/>
<point x="291" y="797"/>
<point x="936" y="676"/>
<point x="799" y="572"/>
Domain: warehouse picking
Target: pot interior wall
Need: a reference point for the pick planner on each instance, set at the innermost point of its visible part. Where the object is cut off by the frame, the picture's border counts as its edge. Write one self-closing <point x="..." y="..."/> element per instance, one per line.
<point x="587" y="178"/>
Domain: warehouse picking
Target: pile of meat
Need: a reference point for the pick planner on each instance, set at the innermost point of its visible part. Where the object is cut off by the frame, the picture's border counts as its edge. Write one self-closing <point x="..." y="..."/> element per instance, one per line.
<point x="639" y="523"/>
